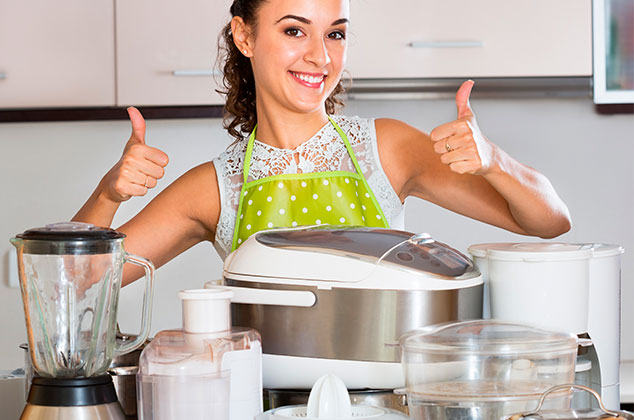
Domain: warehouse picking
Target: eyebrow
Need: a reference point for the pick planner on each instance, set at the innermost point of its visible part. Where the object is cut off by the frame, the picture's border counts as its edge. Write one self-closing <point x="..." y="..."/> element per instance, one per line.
<point x="308" y="21"/>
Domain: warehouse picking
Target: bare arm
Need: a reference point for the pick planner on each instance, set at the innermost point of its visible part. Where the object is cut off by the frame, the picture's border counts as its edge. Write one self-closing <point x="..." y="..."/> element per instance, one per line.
<point x="182" y="215"/>
<point x="459" y="169"/>
<point x="138" y="170"/>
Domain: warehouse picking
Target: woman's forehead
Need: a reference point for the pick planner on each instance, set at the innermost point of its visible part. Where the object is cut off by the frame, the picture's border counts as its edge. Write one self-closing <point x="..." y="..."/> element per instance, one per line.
<point x="315" y="11"/>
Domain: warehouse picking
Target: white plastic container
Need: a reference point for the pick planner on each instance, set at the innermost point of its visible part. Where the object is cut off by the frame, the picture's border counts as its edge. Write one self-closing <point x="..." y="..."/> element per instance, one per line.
<point x="204" y="371"/>
<point x="478" y="253"/>
<point x="542" y="284"/>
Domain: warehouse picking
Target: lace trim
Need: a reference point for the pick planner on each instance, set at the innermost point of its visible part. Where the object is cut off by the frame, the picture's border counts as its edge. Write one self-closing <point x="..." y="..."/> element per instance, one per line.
<point x="325" y="151"/>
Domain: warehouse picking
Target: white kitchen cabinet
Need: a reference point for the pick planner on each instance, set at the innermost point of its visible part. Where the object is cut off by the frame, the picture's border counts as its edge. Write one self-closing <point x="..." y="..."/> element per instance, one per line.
<point x="56" y="53"/>
<point x="166" y="51"/>
<point x="460" y="38"/>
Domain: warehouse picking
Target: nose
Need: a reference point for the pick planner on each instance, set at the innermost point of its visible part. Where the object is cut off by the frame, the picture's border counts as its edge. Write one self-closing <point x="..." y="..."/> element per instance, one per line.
<point x="317" y="53"/>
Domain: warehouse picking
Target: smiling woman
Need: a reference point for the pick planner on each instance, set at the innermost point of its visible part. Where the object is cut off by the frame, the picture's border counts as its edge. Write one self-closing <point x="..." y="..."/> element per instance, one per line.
<point x="294" y="46"/>
<point x="295" y="162"/>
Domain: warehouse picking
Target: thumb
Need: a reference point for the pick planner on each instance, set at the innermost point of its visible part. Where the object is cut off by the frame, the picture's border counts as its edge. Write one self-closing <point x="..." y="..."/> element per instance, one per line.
<point x="138" y="125"/>
<point x="462" y="99"/>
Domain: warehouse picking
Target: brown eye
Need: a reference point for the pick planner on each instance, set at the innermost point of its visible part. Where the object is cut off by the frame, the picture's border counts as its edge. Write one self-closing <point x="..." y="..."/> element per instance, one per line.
<point x="294" y="32"/>
<point x="337" y="35"/>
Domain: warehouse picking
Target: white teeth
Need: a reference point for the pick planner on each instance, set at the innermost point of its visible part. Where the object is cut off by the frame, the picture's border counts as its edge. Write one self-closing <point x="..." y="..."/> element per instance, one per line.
<point x="309" y="79"/>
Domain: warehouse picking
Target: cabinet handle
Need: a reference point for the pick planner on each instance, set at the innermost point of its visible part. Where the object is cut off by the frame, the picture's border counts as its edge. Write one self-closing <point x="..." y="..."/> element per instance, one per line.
<point x="3" y="76"/>
<point x="445" y="44"/>
<point x="195" y="73"/>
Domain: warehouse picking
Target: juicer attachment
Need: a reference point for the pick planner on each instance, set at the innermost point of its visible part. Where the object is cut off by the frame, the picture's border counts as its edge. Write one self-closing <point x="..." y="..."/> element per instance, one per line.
<point x="329" y="400"/>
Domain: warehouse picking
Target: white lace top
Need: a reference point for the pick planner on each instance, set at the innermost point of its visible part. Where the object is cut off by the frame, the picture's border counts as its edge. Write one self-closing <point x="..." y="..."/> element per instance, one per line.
<point x="325" y="151"/>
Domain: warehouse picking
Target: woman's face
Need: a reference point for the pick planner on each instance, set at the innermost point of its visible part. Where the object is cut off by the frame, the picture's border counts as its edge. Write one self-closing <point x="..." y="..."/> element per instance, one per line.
<point x="299" y="51"/>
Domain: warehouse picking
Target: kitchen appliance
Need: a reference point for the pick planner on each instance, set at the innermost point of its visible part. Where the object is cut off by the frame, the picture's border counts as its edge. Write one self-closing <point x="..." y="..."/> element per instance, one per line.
<point x="385" y="398"/>
<point x="337" y="299"/>
<point x="70" y="277"/>
<point x="568" y="287"/>
<point x="484" y="369"/>
<point x="329" y="400"/>
<point x="601" y="414"/>
<point x="204" y="370"/>
<point x="123" y="371"/>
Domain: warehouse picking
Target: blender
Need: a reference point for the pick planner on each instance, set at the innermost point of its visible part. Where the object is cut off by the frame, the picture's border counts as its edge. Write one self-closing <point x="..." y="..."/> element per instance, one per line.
<point x="70" y="278"/>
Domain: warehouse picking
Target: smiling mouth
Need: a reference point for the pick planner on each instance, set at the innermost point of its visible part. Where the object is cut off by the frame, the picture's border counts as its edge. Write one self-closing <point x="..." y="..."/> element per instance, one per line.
<point x="308" y="79"/>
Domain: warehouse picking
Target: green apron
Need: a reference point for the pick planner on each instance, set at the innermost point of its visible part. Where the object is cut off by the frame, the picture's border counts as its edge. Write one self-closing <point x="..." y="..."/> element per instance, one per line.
<point x="306" y="199"/>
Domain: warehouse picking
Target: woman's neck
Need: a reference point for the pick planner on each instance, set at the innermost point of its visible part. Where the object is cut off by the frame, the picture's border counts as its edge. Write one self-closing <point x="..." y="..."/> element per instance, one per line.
<point x="286" y="129"/>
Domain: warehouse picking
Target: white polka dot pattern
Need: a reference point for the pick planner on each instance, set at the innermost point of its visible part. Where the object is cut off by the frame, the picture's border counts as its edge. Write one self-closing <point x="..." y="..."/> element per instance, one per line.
<point x="316" y="200"/>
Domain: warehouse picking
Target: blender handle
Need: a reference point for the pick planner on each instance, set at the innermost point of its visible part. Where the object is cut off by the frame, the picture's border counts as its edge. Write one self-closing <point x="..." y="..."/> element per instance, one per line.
<point x="123" y="347"/>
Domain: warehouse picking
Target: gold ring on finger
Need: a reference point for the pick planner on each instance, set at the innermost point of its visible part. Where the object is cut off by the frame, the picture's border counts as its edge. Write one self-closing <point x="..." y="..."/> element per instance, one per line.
<point x="448" y="146"/>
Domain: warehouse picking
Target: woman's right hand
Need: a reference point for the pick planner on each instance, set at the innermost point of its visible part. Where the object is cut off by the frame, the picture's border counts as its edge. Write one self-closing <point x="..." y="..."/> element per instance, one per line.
<point x="139" y="168"/>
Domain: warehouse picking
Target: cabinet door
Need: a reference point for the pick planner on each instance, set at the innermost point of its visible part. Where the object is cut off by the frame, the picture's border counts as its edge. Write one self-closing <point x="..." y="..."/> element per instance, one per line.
<point x="56" y="53"/>
<point x="166" y="51"/>
<point x="459" y="38"/>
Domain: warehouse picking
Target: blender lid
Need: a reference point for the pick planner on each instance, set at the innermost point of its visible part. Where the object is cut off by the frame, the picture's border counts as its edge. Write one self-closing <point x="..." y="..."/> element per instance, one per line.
<point x="69" y="238"/>
<point x="70" y="231"/>
<point x="486" y="337"/>
<point x="539" y="251"/>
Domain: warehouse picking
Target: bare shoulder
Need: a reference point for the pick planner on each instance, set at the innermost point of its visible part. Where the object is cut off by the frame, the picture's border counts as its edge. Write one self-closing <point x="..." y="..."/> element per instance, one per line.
<point x="198" y="190"/>
<point x="404" y="151"/>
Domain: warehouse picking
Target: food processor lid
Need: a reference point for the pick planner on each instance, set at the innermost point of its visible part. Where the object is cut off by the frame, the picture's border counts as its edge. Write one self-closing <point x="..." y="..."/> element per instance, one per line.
<point x="539" y="251"/>
<point x="69" y="238"/>
<point x="486" y="337"/>
<point x="347" y="254"/>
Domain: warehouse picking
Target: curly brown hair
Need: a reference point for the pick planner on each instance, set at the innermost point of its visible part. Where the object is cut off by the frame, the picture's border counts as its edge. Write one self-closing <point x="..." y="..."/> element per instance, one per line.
<point x="240" y="114"/>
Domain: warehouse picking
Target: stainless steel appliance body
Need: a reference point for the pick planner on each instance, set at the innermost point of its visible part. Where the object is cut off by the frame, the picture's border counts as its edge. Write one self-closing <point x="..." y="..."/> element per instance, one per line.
<point x="338" y="299"/>
<point x="80" y="398"/>
<point x="354" y="324"/>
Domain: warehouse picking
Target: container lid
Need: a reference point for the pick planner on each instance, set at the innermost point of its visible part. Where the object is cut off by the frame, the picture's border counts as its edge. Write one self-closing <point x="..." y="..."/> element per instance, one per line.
<point x="480" y="250"/>
<point x="539" y="251"/>
<point x="486" y="337"/>
<point x="69" y="238"/>
<point x="605" y="250"/>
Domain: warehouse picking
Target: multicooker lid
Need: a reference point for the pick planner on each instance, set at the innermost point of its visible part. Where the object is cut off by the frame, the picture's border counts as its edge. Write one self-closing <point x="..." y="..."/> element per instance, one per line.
<point x="349" y="254"/>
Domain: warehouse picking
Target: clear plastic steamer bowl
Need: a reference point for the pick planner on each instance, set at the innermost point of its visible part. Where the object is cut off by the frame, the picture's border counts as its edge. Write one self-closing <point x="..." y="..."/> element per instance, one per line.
<point x="484" y="369"/>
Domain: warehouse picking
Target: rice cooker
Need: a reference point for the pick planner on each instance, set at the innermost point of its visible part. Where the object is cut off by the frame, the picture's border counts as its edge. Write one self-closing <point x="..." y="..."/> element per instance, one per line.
<point x="336" y="299"/>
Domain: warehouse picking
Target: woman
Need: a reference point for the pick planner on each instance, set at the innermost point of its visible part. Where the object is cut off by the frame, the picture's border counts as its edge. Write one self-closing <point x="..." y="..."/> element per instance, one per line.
<point x="284" y="61"/>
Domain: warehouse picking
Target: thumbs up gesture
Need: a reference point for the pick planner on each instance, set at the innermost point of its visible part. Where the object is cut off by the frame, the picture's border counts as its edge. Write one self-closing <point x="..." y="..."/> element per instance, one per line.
<point x="138" y="169"/>
<point x="460" y="143"/>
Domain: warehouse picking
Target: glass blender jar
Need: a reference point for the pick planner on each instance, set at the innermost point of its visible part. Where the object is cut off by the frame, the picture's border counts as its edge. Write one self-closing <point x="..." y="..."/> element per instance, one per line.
<point x="70" y="278"/>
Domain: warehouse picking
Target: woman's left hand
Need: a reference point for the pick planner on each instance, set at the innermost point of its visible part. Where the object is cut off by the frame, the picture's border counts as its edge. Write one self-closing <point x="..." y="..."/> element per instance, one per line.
<point x="460" y="143"/>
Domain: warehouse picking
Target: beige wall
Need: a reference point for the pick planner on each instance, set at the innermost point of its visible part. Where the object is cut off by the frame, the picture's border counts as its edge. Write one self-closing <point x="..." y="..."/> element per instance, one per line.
<point x="48" y="170"/>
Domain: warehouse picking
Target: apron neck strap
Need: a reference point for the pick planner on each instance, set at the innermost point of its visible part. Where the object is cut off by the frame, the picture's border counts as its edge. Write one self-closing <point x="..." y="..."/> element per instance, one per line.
<point x="249" y="152"/>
